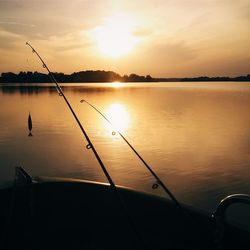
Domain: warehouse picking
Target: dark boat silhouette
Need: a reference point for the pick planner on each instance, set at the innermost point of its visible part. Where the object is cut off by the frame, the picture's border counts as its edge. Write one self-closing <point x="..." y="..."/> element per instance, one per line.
<point x="59" y="213"/>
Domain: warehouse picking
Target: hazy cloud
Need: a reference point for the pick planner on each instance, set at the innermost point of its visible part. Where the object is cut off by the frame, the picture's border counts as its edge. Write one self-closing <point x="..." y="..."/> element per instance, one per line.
<point x="8" y="35"/>
<point x="17" y="23"/>
<point x="9" y="39"/>
<point x="173" y="52"/>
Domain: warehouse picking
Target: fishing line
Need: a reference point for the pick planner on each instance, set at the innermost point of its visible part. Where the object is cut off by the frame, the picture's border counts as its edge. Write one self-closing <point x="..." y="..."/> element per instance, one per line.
<point x="157" y="178"/>
<point x="91" y="146"/>
<point x="29" y="116"/>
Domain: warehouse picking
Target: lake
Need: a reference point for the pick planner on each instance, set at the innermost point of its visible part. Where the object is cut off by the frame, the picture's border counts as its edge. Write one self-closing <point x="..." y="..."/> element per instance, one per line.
<point x="196" y="136"/>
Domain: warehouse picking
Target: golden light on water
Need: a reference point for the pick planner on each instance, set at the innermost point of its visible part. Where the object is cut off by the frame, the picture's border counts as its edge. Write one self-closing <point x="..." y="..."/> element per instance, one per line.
<point x="116" y="84"/>
<point x="119" y="116"/>
<point x="114" y="38"/>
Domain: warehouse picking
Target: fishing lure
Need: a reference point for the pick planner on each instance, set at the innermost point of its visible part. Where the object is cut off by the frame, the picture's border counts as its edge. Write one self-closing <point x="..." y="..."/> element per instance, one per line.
<point x="30" y="125"/>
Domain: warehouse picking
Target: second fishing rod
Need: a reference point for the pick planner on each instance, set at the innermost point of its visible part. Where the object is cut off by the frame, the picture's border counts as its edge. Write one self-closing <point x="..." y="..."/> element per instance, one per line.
<point x="157" y="178"/>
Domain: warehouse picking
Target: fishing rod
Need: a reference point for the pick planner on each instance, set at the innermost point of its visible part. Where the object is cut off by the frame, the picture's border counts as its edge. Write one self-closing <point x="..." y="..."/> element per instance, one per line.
<point x="157" y="178"/>
<point x="91" y="146"/>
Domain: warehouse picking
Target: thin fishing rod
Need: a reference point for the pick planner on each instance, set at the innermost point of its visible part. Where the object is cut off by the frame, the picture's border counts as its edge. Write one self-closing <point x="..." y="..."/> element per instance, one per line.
<point x="158" y="180"/>
<point x="89" y="145"/>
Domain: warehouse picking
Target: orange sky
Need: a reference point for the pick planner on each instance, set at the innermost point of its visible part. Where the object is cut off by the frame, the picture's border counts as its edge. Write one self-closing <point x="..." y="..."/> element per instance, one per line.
<point x="163" y="38"/>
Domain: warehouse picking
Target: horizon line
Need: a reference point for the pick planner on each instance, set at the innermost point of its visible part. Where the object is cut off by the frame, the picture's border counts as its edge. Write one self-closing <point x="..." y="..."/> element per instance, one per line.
<point x="106" y="71"/>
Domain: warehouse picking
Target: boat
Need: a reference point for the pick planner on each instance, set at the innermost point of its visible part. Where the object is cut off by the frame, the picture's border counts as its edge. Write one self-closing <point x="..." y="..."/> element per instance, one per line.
<point x="63" y="213"/>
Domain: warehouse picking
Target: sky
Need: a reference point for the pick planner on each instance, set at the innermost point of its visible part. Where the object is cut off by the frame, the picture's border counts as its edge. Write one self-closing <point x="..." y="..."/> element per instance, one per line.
<point x="162" y="38"/>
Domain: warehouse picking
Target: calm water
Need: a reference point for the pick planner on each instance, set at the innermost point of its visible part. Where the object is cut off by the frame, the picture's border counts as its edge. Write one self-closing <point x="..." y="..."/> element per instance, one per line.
<point x="196" y="136"/>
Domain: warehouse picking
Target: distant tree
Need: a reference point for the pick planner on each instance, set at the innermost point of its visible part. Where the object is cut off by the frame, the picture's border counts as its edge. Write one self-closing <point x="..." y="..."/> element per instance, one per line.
<point x="136" y="78"/>
<point x="149" y="78"/>
<point x="125" y="78"/>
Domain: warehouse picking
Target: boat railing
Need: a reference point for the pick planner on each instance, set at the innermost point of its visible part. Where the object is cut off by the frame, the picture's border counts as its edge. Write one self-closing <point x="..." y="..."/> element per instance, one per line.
<point x="228" y="201"/>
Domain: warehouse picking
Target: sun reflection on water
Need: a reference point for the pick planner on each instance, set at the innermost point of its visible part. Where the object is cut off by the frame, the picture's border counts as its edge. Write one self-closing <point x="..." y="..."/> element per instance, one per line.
<point x="116" y="84"/>
<point x="119" y="116"/>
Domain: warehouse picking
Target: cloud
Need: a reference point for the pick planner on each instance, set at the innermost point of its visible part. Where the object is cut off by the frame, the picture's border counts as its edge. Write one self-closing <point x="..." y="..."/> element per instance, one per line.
<point x="8" y="35"/>
<point x="9" y="40"/>
<point x="65" y="43"/>
<point x="51" y="17"/>
<point x="173" y="52"/>
<point x="17" y="23"/>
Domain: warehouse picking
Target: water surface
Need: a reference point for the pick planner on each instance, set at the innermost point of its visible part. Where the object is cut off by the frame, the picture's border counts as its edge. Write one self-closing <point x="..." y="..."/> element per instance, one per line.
<point x="196" y="136"/>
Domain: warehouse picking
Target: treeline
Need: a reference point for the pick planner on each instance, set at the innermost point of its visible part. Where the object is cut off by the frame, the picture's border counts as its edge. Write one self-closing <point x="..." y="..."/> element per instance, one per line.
<point x="104" y="76"/>
<point x="206" y="79"/>
<point x="217" y="79"/>
<point x="76" y="77"/>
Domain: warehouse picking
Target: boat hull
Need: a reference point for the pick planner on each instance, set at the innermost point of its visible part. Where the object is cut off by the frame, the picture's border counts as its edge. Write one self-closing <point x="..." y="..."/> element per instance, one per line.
<point x="71" y="214"/>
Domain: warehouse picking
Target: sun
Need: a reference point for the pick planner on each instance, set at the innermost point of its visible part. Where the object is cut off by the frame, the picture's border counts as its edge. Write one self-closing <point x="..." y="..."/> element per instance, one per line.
<point x="115" y="37"/>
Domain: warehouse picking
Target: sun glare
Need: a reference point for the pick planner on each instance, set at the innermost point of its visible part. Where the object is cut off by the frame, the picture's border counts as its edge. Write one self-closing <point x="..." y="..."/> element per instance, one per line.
<point x="116" y="84"/>
<point x="118" y="116"/>
<point x="115" y="37"/>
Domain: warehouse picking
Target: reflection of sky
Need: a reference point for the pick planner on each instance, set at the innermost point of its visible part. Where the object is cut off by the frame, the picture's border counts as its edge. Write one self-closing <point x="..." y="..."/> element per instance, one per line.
<point x="195" y="138"/>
